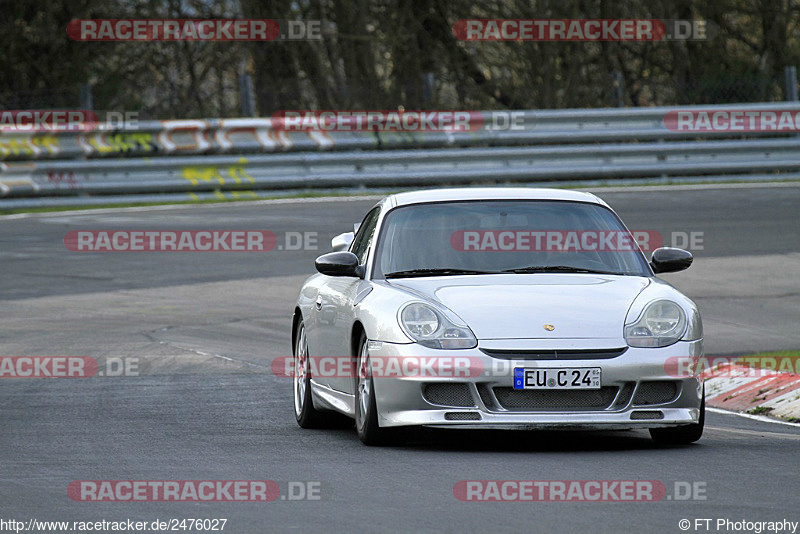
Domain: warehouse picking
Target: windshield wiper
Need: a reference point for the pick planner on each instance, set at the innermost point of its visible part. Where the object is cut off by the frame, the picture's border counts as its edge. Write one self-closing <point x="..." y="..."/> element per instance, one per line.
<point x="556" y="269"/>
<point x="434" y="272"/>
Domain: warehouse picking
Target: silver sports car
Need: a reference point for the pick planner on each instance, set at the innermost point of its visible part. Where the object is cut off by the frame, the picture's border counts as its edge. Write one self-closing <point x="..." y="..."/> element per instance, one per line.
<point x="496" y="308"/>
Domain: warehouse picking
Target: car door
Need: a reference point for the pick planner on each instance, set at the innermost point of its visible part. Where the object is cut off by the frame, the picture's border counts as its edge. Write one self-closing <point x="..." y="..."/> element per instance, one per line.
<point x="335" y="311"/>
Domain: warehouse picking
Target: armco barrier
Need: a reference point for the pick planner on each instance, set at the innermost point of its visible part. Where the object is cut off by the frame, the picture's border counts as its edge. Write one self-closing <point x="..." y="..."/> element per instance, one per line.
<point x="253" y="154"/>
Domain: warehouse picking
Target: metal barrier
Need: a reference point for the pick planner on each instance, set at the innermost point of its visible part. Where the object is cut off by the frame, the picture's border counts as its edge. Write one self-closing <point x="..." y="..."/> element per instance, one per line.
<point x="256" y="154"/>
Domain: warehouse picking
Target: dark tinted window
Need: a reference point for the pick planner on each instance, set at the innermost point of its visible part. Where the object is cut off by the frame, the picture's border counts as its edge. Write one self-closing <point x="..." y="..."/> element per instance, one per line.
<point x="503" y="235"/>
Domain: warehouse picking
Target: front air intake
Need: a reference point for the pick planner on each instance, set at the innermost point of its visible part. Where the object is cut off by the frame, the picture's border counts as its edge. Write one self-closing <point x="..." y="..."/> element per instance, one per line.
<point x="462" y="416"/>
<point x="659" y="392"/>
<point x="448" y="394"/>
<point x="647" y="414"/>
<point x="555" y="400"/>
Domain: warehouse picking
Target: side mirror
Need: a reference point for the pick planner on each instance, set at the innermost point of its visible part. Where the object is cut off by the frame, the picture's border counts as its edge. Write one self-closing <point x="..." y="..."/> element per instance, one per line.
<point x="342" y="241"/>
<point x="670" y="260"/>
<point x="340" y="263"/>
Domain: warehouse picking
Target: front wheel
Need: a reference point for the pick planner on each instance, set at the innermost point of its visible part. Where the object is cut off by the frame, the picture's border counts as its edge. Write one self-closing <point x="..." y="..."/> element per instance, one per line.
<point x="682" y="435"/>
<point x="367" y="426"/>
<point x="307" y="416"/>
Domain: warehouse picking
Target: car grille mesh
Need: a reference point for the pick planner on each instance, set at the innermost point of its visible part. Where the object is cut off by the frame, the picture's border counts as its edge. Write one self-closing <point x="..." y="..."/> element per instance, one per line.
<point x="462" y="416"/>
<point x="561" y="354"/>
<point x="655" y="392"/>
<point x="534" y="399"/>
<point x="447" y="394"/>
<point x="647" y="414"/>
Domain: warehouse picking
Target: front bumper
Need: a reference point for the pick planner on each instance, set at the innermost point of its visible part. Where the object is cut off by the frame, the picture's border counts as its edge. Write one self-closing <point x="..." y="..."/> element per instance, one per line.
<point x="638" y="390"/>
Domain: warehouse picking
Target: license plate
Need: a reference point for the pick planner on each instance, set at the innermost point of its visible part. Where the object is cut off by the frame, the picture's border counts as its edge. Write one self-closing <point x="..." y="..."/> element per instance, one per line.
<point x="561" y="378"/>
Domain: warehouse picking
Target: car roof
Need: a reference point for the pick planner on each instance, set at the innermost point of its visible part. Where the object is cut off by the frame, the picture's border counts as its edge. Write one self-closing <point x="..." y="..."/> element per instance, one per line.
<point x="490" y="193"/>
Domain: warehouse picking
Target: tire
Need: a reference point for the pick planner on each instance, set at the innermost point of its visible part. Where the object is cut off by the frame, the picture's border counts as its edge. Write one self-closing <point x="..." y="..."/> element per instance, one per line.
<point x="369" y="432"/>
<point x="682" y="435"/>
<point x="307" y="416"/>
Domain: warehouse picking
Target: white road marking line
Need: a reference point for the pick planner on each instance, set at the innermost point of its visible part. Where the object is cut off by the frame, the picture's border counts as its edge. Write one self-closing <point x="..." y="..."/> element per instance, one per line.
<point x="163" y="207"/>
<point x="753" y="432"/>
<point x="754" y="417"/>
<point x="212" y="354"/>
<point x="633" y="188"/>
<point x="689" y="187"/>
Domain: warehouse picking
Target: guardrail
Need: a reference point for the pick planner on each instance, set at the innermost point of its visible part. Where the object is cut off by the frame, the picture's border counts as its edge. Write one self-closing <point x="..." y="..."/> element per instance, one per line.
<point x="255" y="154"/>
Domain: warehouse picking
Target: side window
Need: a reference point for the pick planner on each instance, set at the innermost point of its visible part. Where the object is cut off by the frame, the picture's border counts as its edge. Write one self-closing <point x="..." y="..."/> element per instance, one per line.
<point x="363" y="239"/>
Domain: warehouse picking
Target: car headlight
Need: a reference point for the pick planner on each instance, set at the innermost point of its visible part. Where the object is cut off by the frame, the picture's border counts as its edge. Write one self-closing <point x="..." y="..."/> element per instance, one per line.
<point x="662" y="323"/>
<point x="695" y="329"/>
<point x="431" y="328"/>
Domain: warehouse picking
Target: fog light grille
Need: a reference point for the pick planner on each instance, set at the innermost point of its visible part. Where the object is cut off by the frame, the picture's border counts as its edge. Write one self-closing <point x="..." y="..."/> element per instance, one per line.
<point x="447" y="394"/>
<point x="655" y="393"/>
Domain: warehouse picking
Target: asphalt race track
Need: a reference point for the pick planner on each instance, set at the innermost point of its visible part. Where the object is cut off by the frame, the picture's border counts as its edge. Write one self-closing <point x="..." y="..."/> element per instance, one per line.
<point x="200" y="402"/>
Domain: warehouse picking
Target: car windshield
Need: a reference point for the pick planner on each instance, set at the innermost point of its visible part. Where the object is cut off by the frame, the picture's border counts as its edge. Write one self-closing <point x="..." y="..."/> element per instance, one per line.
<point x="489" y="237"/>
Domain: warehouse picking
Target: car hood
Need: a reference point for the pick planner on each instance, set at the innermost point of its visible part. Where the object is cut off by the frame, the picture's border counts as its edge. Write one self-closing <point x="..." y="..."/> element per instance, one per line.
<point x="518" y="306"/>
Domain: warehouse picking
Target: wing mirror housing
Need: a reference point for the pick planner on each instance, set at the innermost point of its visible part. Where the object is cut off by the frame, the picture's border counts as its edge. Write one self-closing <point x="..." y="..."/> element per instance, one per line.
<point x="341" y="263"/>
<point x="670" y="260"/>
<point x="342" y="241"/>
